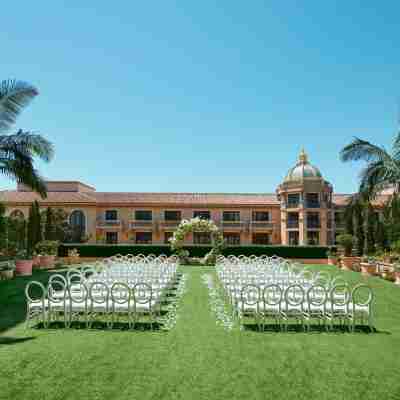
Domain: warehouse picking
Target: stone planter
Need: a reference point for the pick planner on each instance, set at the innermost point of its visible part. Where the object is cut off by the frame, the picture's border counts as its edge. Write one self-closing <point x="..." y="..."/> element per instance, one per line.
<point x="349" y="263"/>
<point x="23" y="267"/>
<point x="36" y="262"/>
<point x="397" y="277"/>
<point x="388" y="275"/>
<point x="368" y="269"/>
<point x="7" y="274"/>
<point x="73" y="260"/>
<point x="47" y="262"/>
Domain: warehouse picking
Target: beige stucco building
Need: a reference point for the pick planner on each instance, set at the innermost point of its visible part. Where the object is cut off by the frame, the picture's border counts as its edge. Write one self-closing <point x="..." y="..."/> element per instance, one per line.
<point x="304" y="210"/>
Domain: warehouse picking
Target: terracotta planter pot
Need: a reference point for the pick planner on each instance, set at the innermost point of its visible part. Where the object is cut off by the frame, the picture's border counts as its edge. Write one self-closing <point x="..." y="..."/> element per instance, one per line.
<point x="73" y="260"/>
<point x="47" y="261"/>
<point x="23" y="267"/>
<point x="368" y="269"/>
<point x="348" y="263"/>
<point x="8" y="274"/>
<point x="36" y="261"/>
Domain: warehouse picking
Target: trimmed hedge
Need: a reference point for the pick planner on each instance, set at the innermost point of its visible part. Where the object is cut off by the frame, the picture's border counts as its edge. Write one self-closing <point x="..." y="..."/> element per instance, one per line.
<point x="107" y="250"/>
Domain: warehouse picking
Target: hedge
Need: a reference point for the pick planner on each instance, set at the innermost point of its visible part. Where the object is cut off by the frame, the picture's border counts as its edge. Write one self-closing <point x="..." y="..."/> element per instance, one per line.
<point x="107" y="250"/>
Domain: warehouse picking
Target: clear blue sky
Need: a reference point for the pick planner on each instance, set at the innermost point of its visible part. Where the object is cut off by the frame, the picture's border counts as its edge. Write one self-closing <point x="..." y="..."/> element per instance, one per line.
<point x="194" y="96"/>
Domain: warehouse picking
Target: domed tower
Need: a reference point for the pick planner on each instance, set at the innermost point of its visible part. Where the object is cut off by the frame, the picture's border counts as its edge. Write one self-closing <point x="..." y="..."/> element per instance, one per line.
<point x="306" y="205"/>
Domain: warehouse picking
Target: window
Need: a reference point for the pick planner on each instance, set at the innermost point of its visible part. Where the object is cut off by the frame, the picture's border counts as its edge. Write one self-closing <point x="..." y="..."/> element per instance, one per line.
<point x="77" y="221"/>
<point x="144" y="237"/>
<point x="202" y="214"/>
<point x="167" y="236"/>
<point x="312" y="200"/>
<point x="293" y="220"/>
<point x="313" y="238"/>
<point x="17" y="214"/>
<point x="231" y="216"/>
<point x="261" y="238"/>
<point x="201" y="238"/>
<point x="172" y="215"/>
<point x="111" y="215"/>
<point x="293" y="238"/>
<point x="293" y="200"/>
<point x="261" y="216"/>
<point x="313" y="220"/>
<point x="143" y="215"/>
<point x="232" y="239"/>
<point x="111" y="237"/>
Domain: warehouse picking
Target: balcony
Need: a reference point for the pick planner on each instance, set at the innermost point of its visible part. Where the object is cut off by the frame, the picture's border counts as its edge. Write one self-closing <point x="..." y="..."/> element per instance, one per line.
<point x="140" y="224"/>
<point x="294" y="224"/>
<point x="293" y="204"/>
<point x="107" y="224"/>
<point x="171" y="224"/>
<point x="313" y="204"/>
<point x="259" y="225"/>
<point x="313" y="224"/>
<point x="231" y="225"/>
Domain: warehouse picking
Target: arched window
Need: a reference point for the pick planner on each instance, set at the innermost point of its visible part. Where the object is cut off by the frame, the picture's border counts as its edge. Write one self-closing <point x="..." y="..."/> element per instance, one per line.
<point x="77" y="220"/>
<point x="17" y="214"/>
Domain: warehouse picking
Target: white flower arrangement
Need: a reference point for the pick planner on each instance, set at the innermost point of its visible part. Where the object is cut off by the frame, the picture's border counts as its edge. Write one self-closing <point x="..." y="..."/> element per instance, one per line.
<point x="217" y="304"/>
<point x="169" y="321"/>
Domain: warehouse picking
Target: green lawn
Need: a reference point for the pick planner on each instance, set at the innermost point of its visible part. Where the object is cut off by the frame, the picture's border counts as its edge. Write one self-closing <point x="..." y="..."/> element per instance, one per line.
<point x="198" y="359"/>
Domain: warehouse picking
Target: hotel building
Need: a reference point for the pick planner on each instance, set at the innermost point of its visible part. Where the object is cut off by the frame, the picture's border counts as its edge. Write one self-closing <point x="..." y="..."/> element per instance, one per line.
<point x="303" y="211"/>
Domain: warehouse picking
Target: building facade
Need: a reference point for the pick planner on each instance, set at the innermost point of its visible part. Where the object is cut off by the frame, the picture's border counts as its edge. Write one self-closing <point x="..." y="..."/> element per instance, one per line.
<point x="303" y="211"/>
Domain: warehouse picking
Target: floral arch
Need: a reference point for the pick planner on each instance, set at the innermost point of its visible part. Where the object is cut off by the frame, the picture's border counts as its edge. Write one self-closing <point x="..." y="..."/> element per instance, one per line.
<point x="197" y="225"/>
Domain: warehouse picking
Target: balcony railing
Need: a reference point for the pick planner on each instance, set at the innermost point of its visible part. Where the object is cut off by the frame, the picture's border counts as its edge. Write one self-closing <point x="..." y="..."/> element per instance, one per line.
<point x="170" y="223"/>
<point x="262" y="224"/>
<point x="313" y="224"/>
<point x="135" y="223"/>
<point x="292" y="224"/>
<point x="313" y="204"/>
<point x="108" y="223"/>
<point x="293" y="204"/>
<point x="231" y="224"/>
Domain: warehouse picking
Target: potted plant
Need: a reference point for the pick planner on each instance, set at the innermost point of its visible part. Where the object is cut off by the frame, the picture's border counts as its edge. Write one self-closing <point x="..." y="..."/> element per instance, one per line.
<point x="346" y="241"/>
<point x="368" y="266"/>
<point x="332" y="256"/>
<point x="73" y="256"/>
<point x="48" y="250"/>
<point x="36" y="260"/>
<point x="7" y="270"/>
<point x="23" y="263"/>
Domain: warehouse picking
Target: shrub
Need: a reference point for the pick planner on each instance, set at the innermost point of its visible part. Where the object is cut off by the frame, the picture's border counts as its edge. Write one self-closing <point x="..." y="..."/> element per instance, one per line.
<point x="107" y="250"/>
<point x="47" y="247"/>
<point x="346" y="242"/>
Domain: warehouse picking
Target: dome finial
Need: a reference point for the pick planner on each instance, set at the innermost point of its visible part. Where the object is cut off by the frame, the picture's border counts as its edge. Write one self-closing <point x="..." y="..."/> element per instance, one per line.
<point x="303" y="157"/>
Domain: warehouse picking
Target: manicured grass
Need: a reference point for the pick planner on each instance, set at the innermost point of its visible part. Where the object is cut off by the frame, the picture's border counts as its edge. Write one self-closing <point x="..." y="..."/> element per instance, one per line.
<point x="198" y="359"/>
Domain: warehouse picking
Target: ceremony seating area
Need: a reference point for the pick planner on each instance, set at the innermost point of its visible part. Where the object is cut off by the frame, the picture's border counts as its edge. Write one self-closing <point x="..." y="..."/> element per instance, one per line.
<point x="120" y="290"/>
<point x="267" y="290"/>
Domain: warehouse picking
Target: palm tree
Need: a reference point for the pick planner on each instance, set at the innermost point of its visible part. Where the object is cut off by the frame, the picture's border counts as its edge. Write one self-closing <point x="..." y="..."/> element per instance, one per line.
<point x="18" y="150"/>
<point x="383" y="167"/>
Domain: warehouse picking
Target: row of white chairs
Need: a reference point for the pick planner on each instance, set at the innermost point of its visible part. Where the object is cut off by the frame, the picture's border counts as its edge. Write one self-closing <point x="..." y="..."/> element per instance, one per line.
<point x="106" y="290"/>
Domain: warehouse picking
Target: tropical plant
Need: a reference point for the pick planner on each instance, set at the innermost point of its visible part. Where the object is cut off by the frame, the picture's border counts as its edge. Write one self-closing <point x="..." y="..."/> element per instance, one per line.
<point x="47" y="247"/>
<point x="3" y="228"/>
<point x="383" y="167"/>
<point x="18" y="151"/>
<point x="346" y="242"/>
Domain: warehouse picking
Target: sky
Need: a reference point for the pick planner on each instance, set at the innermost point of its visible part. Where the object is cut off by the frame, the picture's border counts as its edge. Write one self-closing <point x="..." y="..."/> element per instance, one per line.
<point x="203" y="96"/>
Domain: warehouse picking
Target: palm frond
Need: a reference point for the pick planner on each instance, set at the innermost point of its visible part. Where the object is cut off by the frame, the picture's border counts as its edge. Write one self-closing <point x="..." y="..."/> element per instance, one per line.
<point x="360" y="149"/>
<point x="23" y="172"/>
<point x="396" y="147"/>
<point x="14" y="96"/>
<point x="28" y="143"/>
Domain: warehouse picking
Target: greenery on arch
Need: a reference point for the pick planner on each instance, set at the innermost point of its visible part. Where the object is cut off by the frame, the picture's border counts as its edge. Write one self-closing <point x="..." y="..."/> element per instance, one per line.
<point x="198" y="225"/>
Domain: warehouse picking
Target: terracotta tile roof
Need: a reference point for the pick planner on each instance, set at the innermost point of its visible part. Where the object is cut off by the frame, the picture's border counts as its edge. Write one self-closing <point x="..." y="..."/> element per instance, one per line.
<point x="11" y="196"/>
<point x="198" y="199"/>
<point x="340" y="199"/>
<point x="178" y="199"/>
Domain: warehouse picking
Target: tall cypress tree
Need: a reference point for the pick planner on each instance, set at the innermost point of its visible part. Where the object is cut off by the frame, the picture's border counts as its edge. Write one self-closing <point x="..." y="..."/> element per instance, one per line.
<point x="359" y="229"/>
<point x="49" y="229"/>
<point x="3" y="228"/>
<point x="370" y="229"/>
